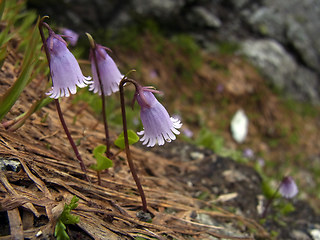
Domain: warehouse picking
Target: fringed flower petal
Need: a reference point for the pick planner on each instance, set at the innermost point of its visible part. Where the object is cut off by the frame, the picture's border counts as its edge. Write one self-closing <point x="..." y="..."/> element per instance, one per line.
<point x="109" y="73"/>
<point x="159" y="127"/>
<point x="65" y="70"/>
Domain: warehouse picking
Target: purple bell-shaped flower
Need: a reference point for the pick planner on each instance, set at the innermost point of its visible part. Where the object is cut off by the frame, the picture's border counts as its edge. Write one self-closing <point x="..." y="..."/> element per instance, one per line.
<point x="110" y="75"/>
<point x="158" y="126"/>
<point x="288" y="187"/>
<point x="65" y="70"/>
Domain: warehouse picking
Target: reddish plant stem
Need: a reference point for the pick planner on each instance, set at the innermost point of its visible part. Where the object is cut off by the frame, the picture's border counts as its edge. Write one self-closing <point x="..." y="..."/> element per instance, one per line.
<point x="73" y="145"/>
<point x="99" y="177"/>
<point x="64" y="125"/>
<point x="126" y="141"/>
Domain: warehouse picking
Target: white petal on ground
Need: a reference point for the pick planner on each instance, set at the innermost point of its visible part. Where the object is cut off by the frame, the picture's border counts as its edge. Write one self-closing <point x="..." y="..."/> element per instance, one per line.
<point x="239" y="126"/>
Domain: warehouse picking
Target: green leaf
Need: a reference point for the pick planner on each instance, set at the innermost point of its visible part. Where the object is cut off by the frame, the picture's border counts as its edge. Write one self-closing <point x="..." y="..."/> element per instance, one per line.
<point x="66" y="218"/>
<point x="30" y="60"/>
<point x="132" y="137"/>
<point x="267" y="190"/>
<point x="35" y="107"/>
<point x="3" y="54"/>
<point x="287" y="208"/>
<point x="73" y="204"/>
<point x="99" y="150"/>
<point x="29" y="19"/>
<point x="5" y="36"/>
<point x="42" y="103"/>
<point x="102" y="161"/>
<point x="2" y="6"/>
<point x="60" y="231"/>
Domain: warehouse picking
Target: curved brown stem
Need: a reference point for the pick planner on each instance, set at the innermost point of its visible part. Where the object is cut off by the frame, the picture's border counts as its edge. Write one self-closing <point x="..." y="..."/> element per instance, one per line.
<point x="126" y="141"/>
<point x="73" y="145"/>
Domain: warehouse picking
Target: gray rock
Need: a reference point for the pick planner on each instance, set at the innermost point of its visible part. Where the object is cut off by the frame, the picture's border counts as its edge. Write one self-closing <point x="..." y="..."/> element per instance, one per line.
<point x="305" y="86"/>
<point x="203" y="17"/>
<point x="233" y="176"/>
<point x="223" y="228"/>
<point x="156" y="8"/>
<point x="10" y="165"/>
<point x="267" y="22"/>
<point x="196" y="155"/>
<point x="271" y="58"/>
<point x="239" y="4"/>
<point x="296" y="234"/>
<point x="282" y="70"/>
<point x="293" y="23"/>
<point x="298" y="36"/>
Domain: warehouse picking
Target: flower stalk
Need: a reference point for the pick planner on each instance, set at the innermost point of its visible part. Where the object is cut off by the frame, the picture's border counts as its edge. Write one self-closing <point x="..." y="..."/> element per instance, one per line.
<point x="126" y="141"/>
<point x="264" y="214"/>
<point x="72" y="143"/>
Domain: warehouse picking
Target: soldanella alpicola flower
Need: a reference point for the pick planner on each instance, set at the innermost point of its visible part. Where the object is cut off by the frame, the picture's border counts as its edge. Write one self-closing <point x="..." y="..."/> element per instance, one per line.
<point x="65" y="70"/>
<point x="288" y="188"/>
<point x="109" y="73"/>
<point x="158" y="126"/>
<point x="70" y="35"/>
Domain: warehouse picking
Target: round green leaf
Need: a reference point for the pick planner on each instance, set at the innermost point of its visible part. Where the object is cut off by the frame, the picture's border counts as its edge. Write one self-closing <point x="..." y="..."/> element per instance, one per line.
<point x="102" y="163"/>
<point x="101" y="149"/>
<point x="132" y="137"/>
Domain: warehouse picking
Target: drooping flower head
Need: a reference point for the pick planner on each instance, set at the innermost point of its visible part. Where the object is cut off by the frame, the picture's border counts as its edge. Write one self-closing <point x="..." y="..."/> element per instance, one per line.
<point x="70" y="35"/>
<point x="110" y="75"/>
<point x="288" y="187"/>
<point x="261" y="162"/>
<point x="187" y="132"/>
<point x="65" y="70"/>
<point x="158" y="126"/>
<point x="248" y="153"/>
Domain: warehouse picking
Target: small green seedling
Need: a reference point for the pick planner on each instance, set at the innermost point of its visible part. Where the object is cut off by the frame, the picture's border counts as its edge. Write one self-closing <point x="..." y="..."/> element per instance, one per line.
<point x="132" y="137"/>
<point x="66" y="218"/>
<point x="103" y="162"/>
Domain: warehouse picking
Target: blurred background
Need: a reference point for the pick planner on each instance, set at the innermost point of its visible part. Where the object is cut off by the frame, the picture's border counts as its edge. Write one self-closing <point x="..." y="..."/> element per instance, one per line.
<point x="212" y="59"/>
